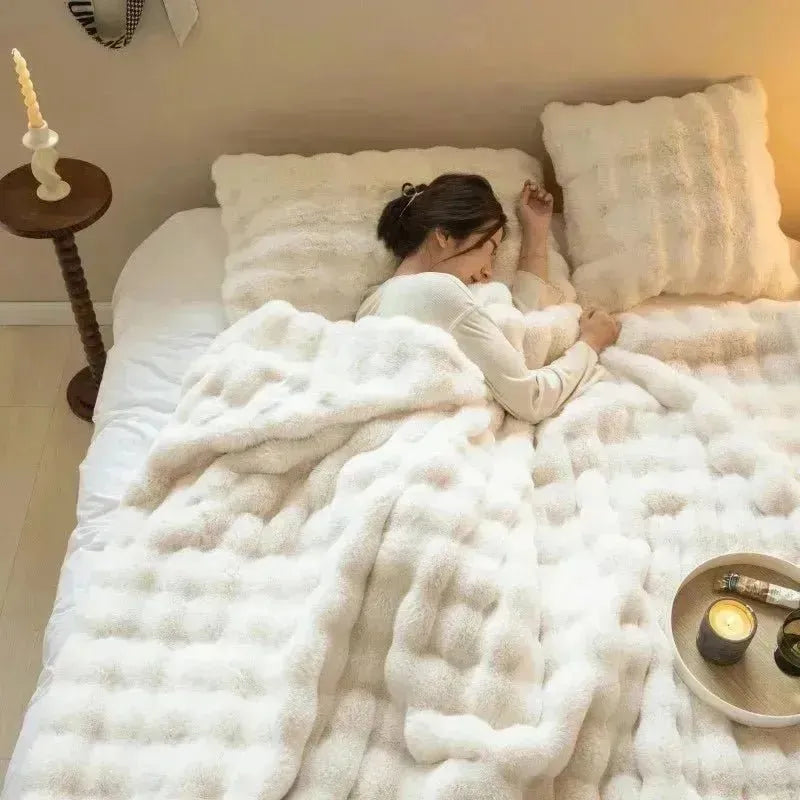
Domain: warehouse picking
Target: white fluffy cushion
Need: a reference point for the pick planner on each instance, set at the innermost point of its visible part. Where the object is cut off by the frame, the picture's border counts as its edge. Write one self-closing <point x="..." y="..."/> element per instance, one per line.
<point x="302" y="229"/>
<point x="670" y="195"/>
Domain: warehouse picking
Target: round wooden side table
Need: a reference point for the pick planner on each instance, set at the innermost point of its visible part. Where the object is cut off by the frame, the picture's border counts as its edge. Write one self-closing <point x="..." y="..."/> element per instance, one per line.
<point x="24" y="214"/>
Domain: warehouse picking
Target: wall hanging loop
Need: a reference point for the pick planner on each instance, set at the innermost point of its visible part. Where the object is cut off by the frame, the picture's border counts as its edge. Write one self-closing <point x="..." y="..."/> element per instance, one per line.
<point x="83" y="11"/>
<point x="182" y="16"/>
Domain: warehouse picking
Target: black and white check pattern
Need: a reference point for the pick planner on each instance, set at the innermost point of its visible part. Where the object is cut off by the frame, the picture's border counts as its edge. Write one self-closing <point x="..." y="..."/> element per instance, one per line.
<point x="83" y="11"/>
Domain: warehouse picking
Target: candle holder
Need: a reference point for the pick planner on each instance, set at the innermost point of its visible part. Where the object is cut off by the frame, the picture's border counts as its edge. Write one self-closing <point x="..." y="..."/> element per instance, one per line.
<point x="787" y="653"/>
<point x="43" y="142"/>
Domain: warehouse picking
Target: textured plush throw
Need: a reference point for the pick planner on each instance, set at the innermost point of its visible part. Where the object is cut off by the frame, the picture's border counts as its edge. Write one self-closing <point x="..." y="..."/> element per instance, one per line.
<point x="303" y="229"/>
<point x="344" y="574"/>
<point x="670" y="195"/>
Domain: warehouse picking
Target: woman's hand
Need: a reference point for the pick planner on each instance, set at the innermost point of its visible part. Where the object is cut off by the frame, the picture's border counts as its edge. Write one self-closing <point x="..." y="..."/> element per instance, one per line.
<point x="535" y="209"/>
<point x="598" y="329"/>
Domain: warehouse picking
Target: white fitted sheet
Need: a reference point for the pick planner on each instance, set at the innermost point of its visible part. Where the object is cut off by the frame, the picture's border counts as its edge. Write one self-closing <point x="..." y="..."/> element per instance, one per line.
<point x="167" y="308"/>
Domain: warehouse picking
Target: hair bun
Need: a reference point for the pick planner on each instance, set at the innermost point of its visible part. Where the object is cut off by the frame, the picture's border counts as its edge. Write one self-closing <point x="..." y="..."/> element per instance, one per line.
<point x="409" y="190"/>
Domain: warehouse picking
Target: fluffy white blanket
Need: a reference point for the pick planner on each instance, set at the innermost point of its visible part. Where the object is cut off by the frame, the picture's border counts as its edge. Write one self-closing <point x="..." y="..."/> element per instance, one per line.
<point x="344" y="573"/>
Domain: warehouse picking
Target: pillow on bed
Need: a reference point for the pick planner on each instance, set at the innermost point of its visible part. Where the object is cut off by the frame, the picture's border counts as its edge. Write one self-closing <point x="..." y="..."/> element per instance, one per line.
<point x="670" y="195"/>
<point x="302" y="228"/>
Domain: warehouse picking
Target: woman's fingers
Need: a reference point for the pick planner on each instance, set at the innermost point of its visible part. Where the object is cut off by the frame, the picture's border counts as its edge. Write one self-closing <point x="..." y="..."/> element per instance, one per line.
<point x="532" y="190"/>
<point x="535" y="196"/>
<point x="532" y="187"/>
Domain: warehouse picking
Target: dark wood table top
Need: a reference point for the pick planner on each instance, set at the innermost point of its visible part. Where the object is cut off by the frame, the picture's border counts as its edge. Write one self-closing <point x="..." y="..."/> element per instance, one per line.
<point x="24" y="214"/>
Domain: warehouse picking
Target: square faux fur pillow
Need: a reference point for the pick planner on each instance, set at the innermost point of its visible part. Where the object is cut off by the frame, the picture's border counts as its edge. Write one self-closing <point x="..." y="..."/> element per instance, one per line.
<point x="670" y="195"/>
<point x="302" y="229"/>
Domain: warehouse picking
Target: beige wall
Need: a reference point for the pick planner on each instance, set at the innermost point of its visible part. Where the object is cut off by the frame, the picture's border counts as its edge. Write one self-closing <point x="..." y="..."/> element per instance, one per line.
<point x="315" y="75"/>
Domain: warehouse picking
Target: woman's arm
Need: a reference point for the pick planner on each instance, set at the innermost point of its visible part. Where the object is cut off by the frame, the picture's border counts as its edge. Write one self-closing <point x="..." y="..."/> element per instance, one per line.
<point x="533" y="255"/>
<point x="535" y="210"/>
<point x="532" y="293"/>
<point x="531" y="395"/>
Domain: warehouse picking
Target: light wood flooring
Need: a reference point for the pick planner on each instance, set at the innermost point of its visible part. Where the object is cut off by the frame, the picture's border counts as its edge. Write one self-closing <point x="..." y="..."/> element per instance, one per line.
<point x="41" y="445"/>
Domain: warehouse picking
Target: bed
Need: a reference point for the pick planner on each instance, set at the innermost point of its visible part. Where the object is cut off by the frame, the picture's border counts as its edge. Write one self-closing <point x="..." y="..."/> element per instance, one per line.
<point x="322" y="582"/>
<point x="167" y="309"/>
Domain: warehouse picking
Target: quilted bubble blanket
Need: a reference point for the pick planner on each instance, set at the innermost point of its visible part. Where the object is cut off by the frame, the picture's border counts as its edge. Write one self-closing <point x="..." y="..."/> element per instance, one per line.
<point x="344" y="573"/>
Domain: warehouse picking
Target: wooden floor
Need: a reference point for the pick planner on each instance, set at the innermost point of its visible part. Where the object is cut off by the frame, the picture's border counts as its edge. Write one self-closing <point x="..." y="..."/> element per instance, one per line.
<point x="41" y="446"/>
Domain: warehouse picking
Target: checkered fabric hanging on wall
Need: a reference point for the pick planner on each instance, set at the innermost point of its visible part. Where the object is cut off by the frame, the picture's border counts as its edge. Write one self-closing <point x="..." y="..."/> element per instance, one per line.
<point x="83" y="11"/>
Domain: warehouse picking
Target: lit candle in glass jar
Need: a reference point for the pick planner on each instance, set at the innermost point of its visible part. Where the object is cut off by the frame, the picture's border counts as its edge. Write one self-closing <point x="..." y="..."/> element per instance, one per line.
<point x="727" y="628"/>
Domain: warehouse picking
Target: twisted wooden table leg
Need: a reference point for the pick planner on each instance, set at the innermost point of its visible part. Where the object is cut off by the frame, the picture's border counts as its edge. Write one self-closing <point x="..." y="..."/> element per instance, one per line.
<point x="82" y="389"/>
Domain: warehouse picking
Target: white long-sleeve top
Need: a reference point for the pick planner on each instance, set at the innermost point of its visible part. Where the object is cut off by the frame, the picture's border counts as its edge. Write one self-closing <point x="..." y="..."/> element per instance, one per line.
<point x="440" y="299"/>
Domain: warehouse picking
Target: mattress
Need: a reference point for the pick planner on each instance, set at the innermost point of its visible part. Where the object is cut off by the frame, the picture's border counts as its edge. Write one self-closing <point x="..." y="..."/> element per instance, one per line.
<point x="167" y="309"/>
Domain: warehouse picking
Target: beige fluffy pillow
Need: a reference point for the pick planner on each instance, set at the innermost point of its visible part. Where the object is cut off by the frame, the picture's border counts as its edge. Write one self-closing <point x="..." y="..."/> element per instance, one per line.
<point x="670" y="195"/>
<point x="302" y="229"/>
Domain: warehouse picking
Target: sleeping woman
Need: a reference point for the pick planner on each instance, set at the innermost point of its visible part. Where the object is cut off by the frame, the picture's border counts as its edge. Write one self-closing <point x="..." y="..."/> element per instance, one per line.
<point x="445" y="235"/>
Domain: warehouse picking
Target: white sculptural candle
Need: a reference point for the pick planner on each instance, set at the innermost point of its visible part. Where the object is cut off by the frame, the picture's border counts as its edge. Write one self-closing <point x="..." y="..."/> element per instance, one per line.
<point x="39" y="138"/>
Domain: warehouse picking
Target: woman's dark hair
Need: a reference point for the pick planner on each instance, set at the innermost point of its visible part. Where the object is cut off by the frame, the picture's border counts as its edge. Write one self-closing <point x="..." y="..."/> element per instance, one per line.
<point x="457" y="204"/>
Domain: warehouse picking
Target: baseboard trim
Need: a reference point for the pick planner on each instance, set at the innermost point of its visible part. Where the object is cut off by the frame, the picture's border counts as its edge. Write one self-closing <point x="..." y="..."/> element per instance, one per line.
<point x="47" y="313"/>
